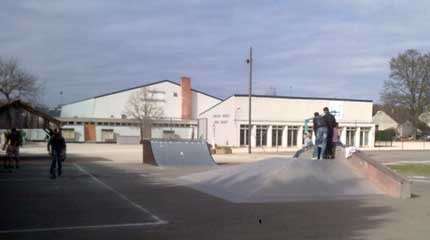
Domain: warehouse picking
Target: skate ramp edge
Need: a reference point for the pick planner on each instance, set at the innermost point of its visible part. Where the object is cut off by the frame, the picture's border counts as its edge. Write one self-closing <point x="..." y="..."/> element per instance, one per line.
<point x="385" y="179"/>
<point x="382" y="177"/>
<point x="148" y="155"/>
<point x="161" y="152"/>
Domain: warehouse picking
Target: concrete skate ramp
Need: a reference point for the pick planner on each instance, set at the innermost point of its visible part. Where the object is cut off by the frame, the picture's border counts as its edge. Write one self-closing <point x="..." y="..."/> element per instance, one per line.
<point x="281" y="180"/>
<point x="383" y="178"/>
<point x="177" y="153"/>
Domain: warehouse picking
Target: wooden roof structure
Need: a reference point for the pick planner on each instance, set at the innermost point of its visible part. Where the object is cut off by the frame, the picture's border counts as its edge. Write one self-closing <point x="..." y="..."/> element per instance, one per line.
<point x="20" y="115"/>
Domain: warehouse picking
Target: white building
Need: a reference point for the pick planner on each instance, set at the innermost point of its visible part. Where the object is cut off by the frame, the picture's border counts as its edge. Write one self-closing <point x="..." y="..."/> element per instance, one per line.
<point x="103" y="118"/>
<point x="278" y="122"/>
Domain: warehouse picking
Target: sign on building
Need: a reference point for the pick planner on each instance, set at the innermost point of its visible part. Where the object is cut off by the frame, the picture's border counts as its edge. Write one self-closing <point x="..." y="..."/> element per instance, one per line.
<point x="336" y="108"/>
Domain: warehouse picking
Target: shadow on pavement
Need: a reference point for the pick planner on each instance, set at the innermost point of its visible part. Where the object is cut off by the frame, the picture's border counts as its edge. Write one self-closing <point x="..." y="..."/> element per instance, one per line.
<point x="190" y="213"/>
<point x="195" y="215"/>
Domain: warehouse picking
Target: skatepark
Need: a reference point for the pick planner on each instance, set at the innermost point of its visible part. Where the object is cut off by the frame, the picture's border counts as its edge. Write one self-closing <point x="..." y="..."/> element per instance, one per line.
<point x="108" y="193"/>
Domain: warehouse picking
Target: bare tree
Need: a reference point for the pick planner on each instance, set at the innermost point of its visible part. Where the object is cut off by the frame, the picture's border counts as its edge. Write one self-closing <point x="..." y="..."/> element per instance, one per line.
<point x="15" y="83"/>
<point x="143" y="106"/>
<point x="409" y="83"/>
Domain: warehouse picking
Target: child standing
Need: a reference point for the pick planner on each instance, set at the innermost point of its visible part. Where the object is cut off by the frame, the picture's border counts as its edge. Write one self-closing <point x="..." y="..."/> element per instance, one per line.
<point x="308" y="140"/>
<point x="335" y="140"/>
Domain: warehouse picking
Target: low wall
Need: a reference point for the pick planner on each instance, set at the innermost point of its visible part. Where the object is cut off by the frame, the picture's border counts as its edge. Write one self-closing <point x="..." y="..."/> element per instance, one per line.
<point x="264" y="149"/>
<point x="385" y="179"/>
<point x="405" y="145"/>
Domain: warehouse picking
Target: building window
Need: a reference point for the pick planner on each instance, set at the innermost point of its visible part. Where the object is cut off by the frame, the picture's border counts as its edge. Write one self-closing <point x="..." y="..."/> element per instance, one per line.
<point x="364" y="137"/>
<point x="123" y="116"/>
<point x="68" y="134"/>
<point x="292" y="136"/>
<point x="175" y="94"/>
<point x="277" y="135"/>
<point x="350" y="136"/>
<point x="168" y="134"/>
<point x="261" y="137"/>
<point x="244" y="140"/>
<point x="108" y="135"/>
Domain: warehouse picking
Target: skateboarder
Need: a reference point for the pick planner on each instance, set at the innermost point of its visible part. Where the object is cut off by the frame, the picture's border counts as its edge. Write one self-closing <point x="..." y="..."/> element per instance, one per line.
<point x="11" y="145"/>
<point x="57" y="148"/>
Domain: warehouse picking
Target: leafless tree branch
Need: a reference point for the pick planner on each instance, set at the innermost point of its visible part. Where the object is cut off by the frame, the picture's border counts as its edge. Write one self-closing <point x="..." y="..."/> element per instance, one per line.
<point x="16" y="83"/>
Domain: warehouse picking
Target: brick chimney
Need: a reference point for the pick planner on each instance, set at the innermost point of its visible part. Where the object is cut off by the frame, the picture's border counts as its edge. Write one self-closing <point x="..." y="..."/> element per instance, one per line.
<point x="186" y="98"/>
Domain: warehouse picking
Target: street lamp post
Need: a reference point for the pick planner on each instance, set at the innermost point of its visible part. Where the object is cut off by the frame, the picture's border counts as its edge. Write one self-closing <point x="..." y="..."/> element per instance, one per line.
<point x="61" y="98"/>
<point x="249" y="61"/>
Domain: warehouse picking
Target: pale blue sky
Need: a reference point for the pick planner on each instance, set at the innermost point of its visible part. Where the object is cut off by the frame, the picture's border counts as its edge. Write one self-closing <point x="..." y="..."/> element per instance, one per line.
<point x="329" y="48"/>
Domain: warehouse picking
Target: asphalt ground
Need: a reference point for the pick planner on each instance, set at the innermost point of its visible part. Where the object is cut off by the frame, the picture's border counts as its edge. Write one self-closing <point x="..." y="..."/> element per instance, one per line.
<point x="97" y="198"/>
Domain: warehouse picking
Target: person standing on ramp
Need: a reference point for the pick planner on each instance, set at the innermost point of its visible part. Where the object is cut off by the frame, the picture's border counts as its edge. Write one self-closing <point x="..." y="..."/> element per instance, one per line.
<point x="320" y="129"/>
<point x="57" y="148"/>
<point x="331" y="122"/>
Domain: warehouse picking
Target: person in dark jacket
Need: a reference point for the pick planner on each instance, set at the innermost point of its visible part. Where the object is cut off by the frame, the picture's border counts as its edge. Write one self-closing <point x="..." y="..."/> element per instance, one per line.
<point x="331" y="123"/>
<point x="320" y="129"/>
<point x="11" y="146"/>
<point x="57" y="148"/>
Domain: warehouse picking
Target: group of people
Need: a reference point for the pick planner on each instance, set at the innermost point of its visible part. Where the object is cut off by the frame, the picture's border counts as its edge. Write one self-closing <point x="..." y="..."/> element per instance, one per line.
<point x="56" y="147"/>
<point x="326" y="135"/>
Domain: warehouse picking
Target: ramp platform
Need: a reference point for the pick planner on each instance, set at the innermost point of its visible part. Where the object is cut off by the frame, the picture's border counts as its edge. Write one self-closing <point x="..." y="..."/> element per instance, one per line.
<point x="300" y="179"/>
<point x="382" y="177"/>
<point x="282" y="180"/>
<point x="177" y="153"/>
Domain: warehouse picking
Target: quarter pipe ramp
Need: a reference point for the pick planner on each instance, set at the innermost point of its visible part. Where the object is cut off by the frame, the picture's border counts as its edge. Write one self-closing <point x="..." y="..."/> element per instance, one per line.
<point x="177" y="153"/>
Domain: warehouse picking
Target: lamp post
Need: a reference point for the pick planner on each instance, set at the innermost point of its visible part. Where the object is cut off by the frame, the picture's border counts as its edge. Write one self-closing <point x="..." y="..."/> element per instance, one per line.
<point x="61" y="98"/>
<point x="235" y="124"/>
<point x="249" y="61"/>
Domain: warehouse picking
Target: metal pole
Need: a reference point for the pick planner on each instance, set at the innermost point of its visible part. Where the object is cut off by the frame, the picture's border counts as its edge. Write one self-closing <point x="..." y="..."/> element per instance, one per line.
<point x="61" y="98"/>
<point x="250" y="60"/>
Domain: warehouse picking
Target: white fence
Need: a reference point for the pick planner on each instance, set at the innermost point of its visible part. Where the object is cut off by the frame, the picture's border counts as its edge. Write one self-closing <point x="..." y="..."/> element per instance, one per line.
<point x="402" y="145"/>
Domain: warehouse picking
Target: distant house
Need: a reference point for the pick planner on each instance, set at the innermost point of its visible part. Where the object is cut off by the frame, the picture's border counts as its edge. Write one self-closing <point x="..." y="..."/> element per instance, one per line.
<point x="425" y="118"/>
<point x="383" y="121"/>
<point x="406" y="129"/>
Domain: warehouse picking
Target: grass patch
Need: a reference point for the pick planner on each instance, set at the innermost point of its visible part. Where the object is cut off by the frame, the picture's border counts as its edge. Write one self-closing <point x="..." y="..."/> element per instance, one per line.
<point x="412" y="169"/>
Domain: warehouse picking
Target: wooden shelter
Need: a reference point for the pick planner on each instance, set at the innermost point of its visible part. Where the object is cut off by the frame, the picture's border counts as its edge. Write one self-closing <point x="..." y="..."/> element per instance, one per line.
<point x="22" y="116"/>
